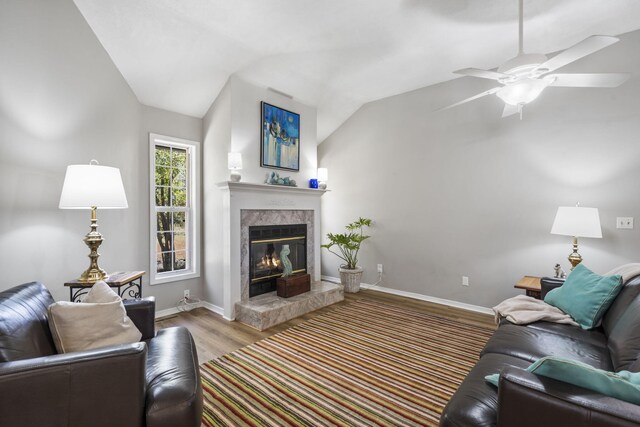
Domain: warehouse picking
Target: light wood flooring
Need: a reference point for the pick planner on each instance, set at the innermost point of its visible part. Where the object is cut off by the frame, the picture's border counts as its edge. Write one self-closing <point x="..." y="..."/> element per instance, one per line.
<point x="215" y="336"/>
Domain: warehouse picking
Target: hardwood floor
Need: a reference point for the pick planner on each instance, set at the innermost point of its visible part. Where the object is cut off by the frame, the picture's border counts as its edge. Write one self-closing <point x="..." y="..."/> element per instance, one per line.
<point x="215" y="336"/>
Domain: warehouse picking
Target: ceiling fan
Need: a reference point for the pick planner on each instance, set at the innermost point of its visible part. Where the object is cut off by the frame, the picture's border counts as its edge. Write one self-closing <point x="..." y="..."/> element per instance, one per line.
<point x="524" y="77"/>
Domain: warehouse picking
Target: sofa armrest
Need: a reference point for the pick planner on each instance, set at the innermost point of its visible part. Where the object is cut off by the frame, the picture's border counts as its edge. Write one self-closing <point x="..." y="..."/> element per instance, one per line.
<point x="526" y="399"/>
<point x="79" y="388"/>
<point x="549" y="283"/>
<point x="142" y="312"/>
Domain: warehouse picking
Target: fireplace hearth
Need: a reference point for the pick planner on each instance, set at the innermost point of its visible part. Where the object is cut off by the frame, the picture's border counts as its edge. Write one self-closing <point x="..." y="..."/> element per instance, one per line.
<point x="265" y="246"/>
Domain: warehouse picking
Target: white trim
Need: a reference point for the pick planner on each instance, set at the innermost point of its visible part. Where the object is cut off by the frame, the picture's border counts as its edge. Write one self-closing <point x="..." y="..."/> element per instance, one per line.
<point x="442" y="301"/>
<point x="194" y="210"/>
<point x="174" y="310"/>
<point x="214" y="308"/>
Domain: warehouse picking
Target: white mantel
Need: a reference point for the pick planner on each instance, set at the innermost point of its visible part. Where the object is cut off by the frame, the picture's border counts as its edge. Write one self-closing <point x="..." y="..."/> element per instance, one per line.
<point x="238" y="196"/>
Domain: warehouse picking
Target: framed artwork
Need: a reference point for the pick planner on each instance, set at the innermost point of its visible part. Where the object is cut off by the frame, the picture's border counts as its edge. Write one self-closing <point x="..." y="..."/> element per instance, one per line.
<point x="280" y="141"/>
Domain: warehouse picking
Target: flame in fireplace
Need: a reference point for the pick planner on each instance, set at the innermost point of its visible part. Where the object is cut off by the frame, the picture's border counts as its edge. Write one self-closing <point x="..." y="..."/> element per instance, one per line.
<point x="269" y="262"/>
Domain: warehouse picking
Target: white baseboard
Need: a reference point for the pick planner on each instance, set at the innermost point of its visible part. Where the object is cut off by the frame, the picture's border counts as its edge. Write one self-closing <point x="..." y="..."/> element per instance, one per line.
<point x="174" y="310"/>
<point x="442" y="301"/>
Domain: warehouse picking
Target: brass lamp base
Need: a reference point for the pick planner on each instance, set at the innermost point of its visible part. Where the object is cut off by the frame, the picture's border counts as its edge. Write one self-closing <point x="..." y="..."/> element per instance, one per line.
<point x="575" y="258"/>
<point x="93" y="239"/>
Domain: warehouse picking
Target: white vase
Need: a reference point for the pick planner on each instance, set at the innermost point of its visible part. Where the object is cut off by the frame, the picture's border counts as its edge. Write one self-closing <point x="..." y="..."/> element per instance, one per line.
<point x="350" y="279"/>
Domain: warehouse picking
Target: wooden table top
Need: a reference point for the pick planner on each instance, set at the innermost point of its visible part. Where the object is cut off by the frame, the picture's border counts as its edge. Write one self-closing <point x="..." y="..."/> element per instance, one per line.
<point x="530" y="283"/>
<point x="118" y="278"/>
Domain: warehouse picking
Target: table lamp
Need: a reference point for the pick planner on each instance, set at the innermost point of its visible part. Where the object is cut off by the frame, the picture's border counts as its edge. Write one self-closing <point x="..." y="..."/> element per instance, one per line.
<point x="91" y="187"/>
<point x="234" y="163"/>
<point x="323" y="177"/>
<point x="577" y="222"/>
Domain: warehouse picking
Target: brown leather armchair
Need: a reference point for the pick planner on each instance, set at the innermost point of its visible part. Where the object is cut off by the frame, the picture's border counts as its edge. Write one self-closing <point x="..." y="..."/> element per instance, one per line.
<point x="155" y="382"/>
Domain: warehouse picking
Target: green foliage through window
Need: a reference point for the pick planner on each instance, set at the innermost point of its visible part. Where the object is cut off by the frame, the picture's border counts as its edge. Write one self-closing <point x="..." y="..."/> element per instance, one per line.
<point x="172" y="202"/>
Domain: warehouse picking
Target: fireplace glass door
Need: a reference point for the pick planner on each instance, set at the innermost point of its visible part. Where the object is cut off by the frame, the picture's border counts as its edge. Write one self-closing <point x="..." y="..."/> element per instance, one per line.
<point x="265" y="254"/>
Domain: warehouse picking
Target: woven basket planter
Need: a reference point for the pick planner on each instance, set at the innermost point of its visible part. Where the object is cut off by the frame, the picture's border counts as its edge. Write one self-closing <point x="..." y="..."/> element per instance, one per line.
<point x="350" y="279"/>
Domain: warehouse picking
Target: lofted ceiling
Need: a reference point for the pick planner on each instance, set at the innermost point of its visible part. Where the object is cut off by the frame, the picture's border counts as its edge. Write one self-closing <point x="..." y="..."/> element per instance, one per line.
<point x="332" y="54"/>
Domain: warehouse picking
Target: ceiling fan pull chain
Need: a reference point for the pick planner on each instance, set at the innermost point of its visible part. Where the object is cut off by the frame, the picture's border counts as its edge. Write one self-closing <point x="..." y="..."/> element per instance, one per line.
<point x="520" y="106"/>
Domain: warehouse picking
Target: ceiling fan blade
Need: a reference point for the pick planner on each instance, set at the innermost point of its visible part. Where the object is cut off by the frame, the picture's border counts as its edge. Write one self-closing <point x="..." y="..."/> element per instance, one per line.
<point x="588" y="80"/>
<point x="480" y="95"/>
<point x="509" y="110"/>
<point x="483" y="74"/>
<point x="579" y="50"/>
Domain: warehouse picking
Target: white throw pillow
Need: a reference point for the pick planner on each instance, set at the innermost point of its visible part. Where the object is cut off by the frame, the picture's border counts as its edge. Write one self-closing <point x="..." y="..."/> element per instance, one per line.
<point x="99" y="321"/>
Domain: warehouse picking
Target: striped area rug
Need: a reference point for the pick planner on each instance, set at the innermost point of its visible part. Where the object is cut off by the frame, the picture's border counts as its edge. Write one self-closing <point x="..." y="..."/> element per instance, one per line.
<point x="362" y="364"/>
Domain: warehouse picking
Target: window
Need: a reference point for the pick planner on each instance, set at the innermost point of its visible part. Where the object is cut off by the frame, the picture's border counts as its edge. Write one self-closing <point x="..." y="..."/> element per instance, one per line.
<point x="174" y="209"/>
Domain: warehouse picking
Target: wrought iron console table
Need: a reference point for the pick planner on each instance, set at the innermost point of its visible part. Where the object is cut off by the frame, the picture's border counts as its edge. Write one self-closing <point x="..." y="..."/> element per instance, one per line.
<point x="128" y="284"/>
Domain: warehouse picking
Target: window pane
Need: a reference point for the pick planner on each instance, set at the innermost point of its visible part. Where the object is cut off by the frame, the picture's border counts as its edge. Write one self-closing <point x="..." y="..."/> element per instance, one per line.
<point x="179" y="241"/>
<point x="163" y="156"/>
<point x="162" y="176"/>
<point x="165" y="240"/>
<point x="179" y="221"/>
<point x="179" y="158"/>
<point x="163" y="196"/>
<point x="164" y="262"/>
<point x="180" y="260"/>
<point x="179" y="177"/>
<point x="179" y="197"/>
<point x="163" y="221"/>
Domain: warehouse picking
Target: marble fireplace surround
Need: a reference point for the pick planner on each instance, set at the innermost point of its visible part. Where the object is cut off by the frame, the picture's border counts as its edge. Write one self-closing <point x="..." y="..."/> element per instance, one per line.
<point x="245" y="204"/>
<point x="251" y="217"/>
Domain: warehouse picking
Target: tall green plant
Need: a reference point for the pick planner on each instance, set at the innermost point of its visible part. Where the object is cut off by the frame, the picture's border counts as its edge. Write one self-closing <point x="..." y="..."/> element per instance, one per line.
<point x="349" y="243"/>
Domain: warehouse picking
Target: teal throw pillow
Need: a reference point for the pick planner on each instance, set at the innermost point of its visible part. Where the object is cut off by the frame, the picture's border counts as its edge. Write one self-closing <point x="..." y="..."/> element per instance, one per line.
<point x="493" y="379"/>
<point x="623" y="385"/>
<point x="585" y="296"/>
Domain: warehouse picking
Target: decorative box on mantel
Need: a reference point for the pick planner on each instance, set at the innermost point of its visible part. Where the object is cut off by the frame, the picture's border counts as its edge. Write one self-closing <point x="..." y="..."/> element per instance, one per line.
<point x="246" y="205"/>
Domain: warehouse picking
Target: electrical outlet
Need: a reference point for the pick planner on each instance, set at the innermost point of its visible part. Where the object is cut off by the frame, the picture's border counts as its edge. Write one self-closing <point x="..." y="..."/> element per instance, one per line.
<point x="187" y="294"/>
<point x="379" y="268"/>
<point x="465" y="281"/>
<point x="624" y="222"/>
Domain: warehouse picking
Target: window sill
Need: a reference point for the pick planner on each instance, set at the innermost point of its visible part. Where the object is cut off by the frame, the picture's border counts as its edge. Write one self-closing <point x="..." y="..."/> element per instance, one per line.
<point x="173" y="277"/>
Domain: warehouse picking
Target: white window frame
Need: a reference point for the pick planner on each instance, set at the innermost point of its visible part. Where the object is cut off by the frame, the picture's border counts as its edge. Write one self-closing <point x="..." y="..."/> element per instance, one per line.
<point x="193" y="229"/>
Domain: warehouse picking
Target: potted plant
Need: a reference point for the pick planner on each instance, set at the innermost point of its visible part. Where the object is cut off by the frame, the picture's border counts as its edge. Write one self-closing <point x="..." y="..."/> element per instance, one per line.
<point x="348" y="245"/>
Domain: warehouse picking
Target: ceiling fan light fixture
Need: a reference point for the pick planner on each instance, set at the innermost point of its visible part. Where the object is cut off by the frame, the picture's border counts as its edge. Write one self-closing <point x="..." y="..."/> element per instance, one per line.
<point x="522" y="92"/>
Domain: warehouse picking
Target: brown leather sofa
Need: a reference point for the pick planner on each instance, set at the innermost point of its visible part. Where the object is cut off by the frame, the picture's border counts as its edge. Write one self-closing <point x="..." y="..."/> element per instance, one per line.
<point x="155" y="382"/>
<point x="524" y="399"/>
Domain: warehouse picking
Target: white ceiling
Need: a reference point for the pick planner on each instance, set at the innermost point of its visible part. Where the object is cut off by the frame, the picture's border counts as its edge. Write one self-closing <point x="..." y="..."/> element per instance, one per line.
<point x="332" y="54"/>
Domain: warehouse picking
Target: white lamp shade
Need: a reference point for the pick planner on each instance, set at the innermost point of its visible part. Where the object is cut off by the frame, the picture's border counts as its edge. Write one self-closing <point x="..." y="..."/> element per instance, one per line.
<point x="92" y="185"/>
<point x="323" y="174"/>
<point x="234" y="161"/>
<point x="577" y="222"/>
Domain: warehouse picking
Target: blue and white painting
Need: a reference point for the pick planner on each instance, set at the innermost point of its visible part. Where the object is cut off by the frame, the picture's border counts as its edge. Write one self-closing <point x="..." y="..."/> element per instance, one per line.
<point x="280" y="138"/>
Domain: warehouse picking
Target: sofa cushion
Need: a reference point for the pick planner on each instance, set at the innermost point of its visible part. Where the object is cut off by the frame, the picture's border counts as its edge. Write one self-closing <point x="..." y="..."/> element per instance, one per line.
<point x="475" y="402"/>
<point x="532" y="344"/>
<point x="24" y="329"/>
<point x="585" y="295"/>
<point x="624" y="339"/>
<point x="623" y="385"/>
<point x="590" y="336"/>
<point x="100" y="322"/>
<point x="629" y="292"/>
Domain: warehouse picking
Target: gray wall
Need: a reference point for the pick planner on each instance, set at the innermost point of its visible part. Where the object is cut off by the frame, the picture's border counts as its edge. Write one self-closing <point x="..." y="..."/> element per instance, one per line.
<point x="62" y="101"/>
<point x="464" y="192"/>
<point x="233" y="124"/>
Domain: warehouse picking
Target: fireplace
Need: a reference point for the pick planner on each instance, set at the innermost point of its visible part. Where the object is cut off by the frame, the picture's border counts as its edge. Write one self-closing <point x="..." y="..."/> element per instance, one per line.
<point x="265" y="245"/>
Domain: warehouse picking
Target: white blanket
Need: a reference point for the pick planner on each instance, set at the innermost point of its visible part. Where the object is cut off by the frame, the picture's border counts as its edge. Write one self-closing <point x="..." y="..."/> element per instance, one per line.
<point x="627" y="271"/>
<point x="523" y="310"/>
